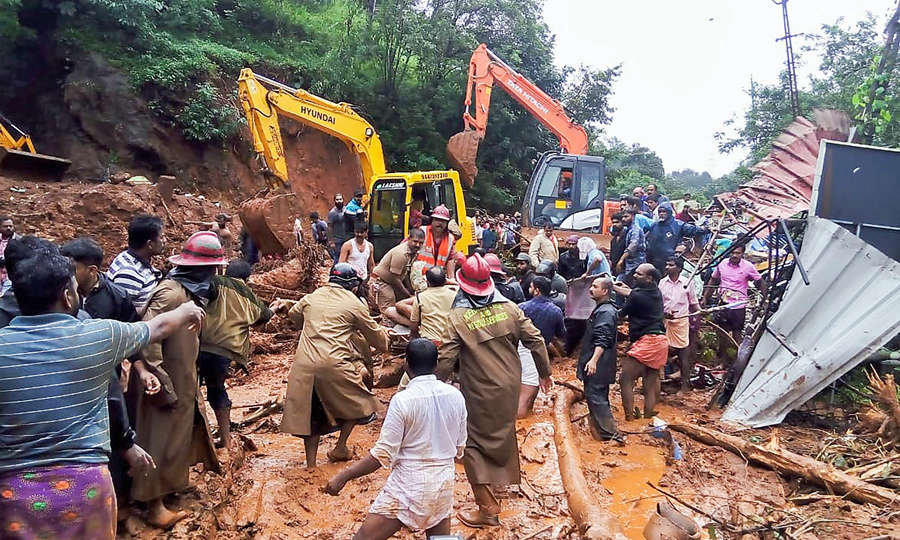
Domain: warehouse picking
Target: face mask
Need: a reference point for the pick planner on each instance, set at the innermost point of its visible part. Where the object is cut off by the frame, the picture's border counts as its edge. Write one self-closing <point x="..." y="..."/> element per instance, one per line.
<point x="339" y="205"/>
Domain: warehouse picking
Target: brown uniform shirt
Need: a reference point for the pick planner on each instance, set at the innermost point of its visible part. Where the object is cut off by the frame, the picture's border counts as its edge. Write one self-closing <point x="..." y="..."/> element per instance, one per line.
<point x="431" y="309"/>
<point x="171" y="425"/>
<point x="328" y="364"/>
<point x="397" y="261"/>
<point x="481" y="343"/>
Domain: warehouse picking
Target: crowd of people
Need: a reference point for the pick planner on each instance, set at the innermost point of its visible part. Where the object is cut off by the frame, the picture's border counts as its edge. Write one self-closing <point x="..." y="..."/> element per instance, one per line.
<point x="121" y="355"/>
<point x="100" y="374"/>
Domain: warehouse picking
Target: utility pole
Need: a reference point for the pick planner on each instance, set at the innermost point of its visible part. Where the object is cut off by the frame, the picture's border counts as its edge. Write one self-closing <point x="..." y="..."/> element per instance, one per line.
<point x="789" y="49"/>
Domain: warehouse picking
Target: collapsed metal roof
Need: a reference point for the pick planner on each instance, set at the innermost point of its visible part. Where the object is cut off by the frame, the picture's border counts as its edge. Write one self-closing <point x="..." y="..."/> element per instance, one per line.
<point x="783" y="180"/>
<point x="822" y="330"/>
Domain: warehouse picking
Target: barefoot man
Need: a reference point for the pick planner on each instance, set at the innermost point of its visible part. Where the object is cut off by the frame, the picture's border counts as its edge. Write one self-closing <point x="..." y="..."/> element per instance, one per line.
<point x="423" y="431"/>
<point x="171" y="422"/>
<point x="325" y="386"/>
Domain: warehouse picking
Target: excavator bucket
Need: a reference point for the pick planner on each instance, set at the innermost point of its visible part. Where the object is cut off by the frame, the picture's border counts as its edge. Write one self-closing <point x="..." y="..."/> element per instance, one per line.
<point x="270" y="220"/>
<point x="45" y="166"/>
<point x="462" y="150"/>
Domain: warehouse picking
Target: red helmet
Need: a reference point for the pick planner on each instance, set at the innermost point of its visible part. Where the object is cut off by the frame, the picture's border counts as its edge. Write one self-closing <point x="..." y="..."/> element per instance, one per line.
<point x="495" y="264"/>
<point x="441" y="212"/>
<point x="475" y="276"/>
<point x="201" y="249"/>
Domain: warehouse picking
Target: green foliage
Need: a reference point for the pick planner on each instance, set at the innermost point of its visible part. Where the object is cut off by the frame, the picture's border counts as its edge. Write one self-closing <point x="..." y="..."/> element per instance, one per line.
<point x="872" y="104"/>
<point x="587" y="95"/>
<point x="628" y="166"/>
<point x="209" y="117"/>
<point x="402" y="63"/>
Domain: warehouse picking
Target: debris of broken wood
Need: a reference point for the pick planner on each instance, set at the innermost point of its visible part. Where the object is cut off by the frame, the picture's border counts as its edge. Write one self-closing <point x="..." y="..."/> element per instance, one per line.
<point x="791" y="464"/>
<point x="885" y="393"/>
<point x="593" y="521"/>
<point x="271" y="406"/>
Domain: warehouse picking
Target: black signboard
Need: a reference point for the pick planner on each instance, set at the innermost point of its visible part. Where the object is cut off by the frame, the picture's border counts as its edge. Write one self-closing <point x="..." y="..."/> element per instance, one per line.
<point x="858" y="187"/>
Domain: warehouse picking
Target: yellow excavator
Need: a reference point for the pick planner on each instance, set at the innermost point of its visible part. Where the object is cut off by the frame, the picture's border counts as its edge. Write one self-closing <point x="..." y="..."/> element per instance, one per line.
<point x="391" y="196"/>
<point x="17" y="153"/>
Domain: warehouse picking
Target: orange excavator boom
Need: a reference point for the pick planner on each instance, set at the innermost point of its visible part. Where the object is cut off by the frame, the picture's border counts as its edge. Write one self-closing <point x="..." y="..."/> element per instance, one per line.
<point x="486" y="69"/>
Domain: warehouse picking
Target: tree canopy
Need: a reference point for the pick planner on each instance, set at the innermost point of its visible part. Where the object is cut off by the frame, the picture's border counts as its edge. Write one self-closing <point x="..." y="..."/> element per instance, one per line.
<point x="401" y="63"/>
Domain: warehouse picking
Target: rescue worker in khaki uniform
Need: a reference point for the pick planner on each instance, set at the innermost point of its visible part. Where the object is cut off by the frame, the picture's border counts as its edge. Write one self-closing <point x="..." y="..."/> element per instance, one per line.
<point x="437" y="250"/>
<point x="481" y="345"/>
<point x="390" y="278"/>
<point x="170" y="420"/>
<point x="325" y="389"/>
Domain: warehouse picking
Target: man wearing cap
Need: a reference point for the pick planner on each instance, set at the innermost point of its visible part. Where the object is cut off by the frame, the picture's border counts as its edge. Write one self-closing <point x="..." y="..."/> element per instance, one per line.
<point x="325" y="389"/>
<point x="544" y="245"/>
<point x="391" y="277"/>
<point x="437" y="250"/>
<point x="171" y="424"/>
<point x="480" y="345"/>
<point x="524" y="273"/>
<point x="571" y="265"/>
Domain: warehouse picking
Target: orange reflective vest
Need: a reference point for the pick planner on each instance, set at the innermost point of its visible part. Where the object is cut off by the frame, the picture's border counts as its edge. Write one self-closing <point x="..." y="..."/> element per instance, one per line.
<point x="432" y="256"/>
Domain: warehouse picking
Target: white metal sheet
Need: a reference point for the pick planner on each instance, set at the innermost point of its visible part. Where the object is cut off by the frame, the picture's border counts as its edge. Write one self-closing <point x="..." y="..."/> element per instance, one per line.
<point x="850" y="308"/>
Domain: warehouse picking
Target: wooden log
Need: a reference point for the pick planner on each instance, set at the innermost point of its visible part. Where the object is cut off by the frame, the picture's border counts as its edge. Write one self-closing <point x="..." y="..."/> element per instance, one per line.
<point x="593" y="522"/>
<point x="790" y="464"/>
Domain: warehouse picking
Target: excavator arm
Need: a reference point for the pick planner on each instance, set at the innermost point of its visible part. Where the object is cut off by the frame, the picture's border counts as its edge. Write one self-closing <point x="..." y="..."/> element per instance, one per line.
<point x="486" y="69"/>
<point x="17" y="153"/>
<point x="264" y="99"/>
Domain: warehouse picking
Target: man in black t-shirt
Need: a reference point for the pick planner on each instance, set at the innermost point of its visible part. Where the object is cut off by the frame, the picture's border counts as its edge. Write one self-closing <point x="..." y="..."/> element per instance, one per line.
<point x="649" y="345"/>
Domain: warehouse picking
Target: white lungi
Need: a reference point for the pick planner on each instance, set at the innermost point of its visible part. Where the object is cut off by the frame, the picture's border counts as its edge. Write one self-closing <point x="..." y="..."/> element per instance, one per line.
<point x="529" y="370"/>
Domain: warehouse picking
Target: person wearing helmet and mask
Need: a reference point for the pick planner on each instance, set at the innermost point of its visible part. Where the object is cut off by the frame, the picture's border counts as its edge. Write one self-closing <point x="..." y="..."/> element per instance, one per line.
<point x="325" y="389"/>
<point x="170" y="422"/>
<point x="481" y="346"/>
<point x="558" y="285"/>
<point x="507" y="286"/>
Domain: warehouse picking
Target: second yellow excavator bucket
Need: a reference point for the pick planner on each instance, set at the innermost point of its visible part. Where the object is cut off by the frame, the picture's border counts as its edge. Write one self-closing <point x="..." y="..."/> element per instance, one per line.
<point x="462" y="149"/>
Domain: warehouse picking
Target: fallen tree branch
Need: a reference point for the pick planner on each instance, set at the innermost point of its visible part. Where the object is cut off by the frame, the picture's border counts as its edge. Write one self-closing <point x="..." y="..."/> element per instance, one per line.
<point x="573" y="387"/>
<point x="271" y="407"/>
<point x="593" y="522"/>
<point x="791" y="464"/>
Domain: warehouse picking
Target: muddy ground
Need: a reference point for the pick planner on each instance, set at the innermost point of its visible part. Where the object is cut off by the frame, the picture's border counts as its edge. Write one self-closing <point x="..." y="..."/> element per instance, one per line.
<point x="271" y="495"/>
<point x="266" y="492"/>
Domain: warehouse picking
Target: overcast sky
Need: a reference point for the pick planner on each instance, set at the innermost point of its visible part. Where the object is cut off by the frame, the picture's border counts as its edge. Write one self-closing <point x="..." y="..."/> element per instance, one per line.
<point x="686" y="64"/>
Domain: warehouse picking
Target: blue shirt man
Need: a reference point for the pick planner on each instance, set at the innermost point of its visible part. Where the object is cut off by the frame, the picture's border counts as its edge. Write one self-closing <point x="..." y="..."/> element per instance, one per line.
<point x="545" y="315"/>
<point x="83" y="354"/>
<point x="489" y="238"/>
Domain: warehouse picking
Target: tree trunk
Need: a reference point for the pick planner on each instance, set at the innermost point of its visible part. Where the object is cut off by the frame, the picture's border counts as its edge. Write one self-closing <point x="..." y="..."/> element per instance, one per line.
<point x="791" y="464"/>
<point x="593" y="522"/>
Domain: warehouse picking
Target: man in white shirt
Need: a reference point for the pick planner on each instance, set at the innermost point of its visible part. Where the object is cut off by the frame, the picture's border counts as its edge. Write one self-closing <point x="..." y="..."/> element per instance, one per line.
<point x="424" y="430"/>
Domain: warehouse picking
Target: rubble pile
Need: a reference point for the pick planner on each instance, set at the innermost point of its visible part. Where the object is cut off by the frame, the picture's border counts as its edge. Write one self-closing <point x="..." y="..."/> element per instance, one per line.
<point x="63" y="211"/>
<point x="301" y="272"/>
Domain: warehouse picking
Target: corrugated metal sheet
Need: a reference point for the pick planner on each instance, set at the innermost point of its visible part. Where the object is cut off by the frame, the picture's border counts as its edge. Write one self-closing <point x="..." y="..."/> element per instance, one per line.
<point x="783" y="180"/>
<point x="848" y="311"/>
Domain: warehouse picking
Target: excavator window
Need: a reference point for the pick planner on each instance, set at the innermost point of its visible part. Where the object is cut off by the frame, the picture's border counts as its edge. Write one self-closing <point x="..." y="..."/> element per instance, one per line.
<point x="590" y="179"/>
<point x="388" y="215"/>
<point x="554" y="192"/>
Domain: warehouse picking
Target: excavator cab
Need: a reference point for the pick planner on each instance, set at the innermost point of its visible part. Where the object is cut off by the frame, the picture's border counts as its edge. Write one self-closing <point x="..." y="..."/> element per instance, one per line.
<point x="401" y="201"/>
<point x="566" y="190"/>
